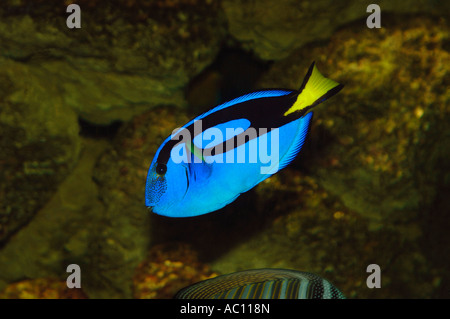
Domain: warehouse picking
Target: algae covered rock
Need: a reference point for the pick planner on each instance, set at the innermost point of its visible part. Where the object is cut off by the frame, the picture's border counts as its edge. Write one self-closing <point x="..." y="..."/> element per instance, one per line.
<point x="39" y="142"/>
<point x="62" y="231"/>
<point x="370" y="185"/>
<point x="377" y="153"/>
<point x="310" y="229"/>
<point x="166" y="269"/>
<point x="41" y="288"/>
<point x="127" y="56"/>
<point x="274" y="29"/>
<point x="124" y="234"/>
<point x="373" y="138"/>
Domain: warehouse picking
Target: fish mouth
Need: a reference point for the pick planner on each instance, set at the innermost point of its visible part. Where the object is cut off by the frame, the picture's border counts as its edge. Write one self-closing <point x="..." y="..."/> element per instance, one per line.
<point x="150" y="209"/>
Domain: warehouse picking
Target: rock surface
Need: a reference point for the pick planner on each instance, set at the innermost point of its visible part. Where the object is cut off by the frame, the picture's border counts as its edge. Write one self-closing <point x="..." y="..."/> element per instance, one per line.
<point x="125" y="231"/>
<point x="126" y="58"/>
<point x="370" y="185"/>
<point x="376" y="152"/>
<point x="373" y="137"/>
<point x="274" y="29"/>
<point x="39" y="143"/>
<point x="167" y="269"/>
<point x="309" y="229"/>
<point x="42" y="288"/>
<point x="62" y="231"/>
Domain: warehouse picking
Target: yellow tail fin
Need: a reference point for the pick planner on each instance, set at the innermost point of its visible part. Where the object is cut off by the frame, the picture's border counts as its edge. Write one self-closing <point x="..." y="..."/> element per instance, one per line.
<point x="315" y="89"/>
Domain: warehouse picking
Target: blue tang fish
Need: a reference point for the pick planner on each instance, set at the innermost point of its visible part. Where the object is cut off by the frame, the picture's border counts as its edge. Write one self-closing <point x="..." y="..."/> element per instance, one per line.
<point x="263" y="284"/>
<point x="207" y="163"/>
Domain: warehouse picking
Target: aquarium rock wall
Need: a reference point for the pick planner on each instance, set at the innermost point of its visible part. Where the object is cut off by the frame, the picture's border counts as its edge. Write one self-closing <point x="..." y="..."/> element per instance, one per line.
<point x="83" y="111"/>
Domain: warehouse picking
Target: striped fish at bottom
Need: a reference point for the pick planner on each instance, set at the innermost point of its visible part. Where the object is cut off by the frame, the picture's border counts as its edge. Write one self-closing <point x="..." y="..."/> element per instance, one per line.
<point x="263" y="284"/>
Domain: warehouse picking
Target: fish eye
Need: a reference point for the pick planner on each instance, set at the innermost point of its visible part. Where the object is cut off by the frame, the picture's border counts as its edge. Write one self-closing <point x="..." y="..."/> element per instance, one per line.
<point x="161" y="169"/>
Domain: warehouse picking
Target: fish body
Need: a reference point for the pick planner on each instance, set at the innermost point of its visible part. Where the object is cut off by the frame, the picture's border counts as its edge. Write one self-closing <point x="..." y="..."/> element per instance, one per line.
<point x="206" y="164"/>
<point x="263" y="284"/>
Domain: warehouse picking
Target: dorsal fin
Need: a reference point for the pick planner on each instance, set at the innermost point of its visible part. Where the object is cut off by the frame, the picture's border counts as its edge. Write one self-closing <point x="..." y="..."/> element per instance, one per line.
<point x="247" y="97"/>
